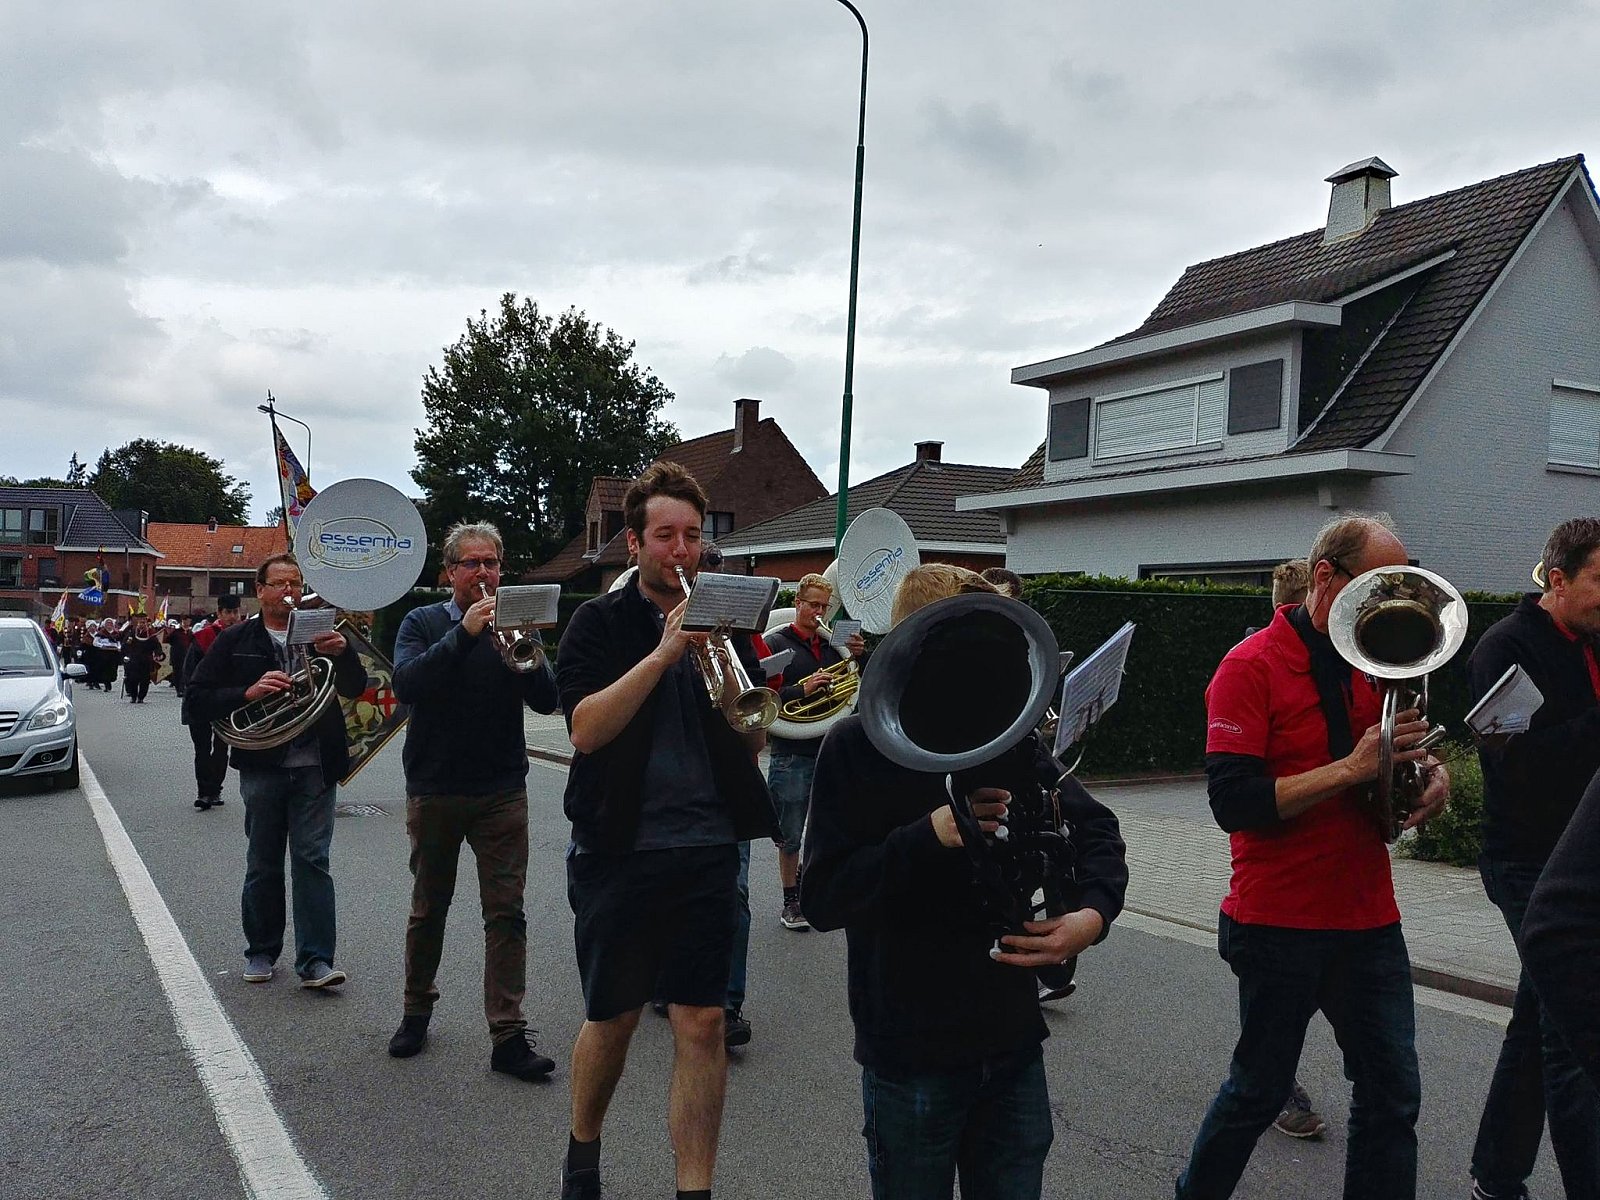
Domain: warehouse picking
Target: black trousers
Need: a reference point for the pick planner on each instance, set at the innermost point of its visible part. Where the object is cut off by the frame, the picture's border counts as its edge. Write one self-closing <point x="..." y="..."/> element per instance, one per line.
<point x="210" y="759"/>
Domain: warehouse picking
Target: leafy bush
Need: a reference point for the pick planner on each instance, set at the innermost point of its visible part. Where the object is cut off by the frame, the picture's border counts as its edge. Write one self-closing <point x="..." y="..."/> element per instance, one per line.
<point x="1455" y="836"/>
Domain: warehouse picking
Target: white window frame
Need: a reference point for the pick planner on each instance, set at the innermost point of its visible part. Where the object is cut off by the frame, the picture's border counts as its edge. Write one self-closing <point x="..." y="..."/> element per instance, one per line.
<point x="1591" y="397"/>
<point x="1194" y="442"/>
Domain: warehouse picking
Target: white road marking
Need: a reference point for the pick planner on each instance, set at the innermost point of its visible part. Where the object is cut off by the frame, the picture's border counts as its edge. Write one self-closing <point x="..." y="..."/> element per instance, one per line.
<point x="1461" y="1006"/>
<point x="270" y="1165"/>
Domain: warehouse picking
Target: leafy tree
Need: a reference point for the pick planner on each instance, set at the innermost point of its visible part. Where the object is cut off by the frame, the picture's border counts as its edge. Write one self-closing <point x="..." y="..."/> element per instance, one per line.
<point x="76" y="473"/>
<point x="525" y="410"/>
<point x="275" y="515"/>
<point x="170" y="482"/>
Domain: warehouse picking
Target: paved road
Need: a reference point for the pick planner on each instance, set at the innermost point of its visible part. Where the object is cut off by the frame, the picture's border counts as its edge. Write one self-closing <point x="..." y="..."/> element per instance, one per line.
<point x="100" y="1098"/>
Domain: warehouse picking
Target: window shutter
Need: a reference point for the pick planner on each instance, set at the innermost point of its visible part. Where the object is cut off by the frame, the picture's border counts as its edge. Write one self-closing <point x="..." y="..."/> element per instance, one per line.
<point x="1255" y="397"/>
<point x="1069" y="430"/>
<point x="1143" y="424"/>
<point x="1574" y="428"/>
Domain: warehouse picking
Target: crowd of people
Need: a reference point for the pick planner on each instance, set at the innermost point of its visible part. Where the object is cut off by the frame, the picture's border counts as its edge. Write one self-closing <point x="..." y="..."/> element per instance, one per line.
<point x="665" y="794"/>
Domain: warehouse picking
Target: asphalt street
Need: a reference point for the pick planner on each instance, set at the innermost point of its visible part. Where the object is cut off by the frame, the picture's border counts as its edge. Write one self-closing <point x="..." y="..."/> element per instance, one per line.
<point x="100" y="1097"/>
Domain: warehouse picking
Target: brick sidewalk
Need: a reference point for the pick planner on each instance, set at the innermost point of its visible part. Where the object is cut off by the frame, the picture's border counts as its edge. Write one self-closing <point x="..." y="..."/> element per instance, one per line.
<point x="1178" y="865"/>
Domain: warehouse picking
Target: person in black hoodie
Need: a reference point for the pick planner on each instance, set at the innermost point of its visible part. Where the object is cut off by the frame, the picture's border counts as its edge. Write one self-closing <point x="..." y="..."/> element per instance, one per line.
<point x="288" y="790"/>
<point x="1532" y="783"/>
<point x="948" y="1034"/>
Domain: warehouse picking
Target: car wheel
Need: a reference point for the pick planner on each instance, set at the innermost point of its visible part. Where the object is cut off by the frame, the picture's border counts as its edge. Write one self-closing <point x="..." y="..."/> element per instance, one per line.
<point x="69" y="777"/>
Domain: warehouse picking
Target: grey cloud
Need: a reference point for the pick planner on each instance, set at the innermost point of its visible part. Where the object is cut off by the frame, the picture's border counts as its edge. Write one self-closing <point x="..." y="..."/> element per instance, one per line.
<point x="737" y="268"/>
<point x="987" y="140"/>
<point x="758" y="370"/>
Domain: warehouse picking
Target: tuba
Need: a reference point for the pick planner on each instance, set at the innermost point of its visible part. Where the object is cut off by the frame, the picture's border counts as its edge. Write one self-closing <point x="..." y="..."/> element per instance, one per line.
<point x="1398" y="624"/>
<point x="986" y="735"/>
<point x="751" y="708"/>
<point x="283" y="716"/>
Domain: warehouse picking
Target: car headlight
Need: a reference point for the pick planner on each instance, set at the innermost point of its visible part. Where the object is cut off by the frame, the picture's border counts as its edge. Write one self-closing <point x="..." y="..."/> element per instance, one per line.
<point x="50" y="714"/>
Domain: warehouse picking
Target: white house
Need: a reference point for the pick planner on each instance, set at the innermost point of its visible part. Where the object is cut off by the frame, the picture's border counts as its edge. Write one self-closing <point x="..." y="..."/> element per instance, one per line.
<point x="1438" y="361"/>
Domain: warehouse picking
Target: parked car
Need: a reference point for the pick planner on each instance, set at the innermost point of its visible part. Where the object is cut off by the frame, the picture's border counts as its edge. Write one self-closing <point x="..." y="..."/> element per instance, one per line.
<point x="38" y="729"/>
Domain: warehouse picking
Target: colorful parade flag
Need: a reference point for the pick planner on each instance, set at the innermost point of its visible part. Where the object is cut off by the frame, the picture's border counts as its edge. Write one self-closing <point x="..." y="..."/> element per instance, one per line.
<point x="95" y="593"/>
<point x="161" y="613"/>
<point x="58" y="618"/>
<point x="294" y="485"/>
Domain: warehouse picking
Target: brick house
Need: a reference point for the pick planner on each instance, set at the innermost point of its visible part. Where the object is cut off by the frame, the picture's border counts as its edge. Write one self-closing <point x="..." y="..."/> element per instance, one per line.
<point x="1437" y="360"/>
<point x="50" y="536"/>
<point x="923" y="493"/>
<point x="205" y="561"/>
<point x="750" y="473"/>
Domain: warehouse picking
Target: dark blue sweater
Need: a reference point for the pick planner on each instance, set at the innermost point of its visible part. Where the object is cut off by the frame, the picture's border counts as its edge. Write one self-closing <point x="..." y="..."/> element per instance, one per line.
<point x="465" y="734"/>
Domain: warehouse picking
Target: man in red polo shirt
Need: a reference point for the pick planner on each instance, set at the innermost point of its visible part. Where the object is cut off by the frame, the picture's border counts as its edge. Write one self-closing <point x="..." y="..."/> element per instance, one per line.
<point x="1310" y="920"/>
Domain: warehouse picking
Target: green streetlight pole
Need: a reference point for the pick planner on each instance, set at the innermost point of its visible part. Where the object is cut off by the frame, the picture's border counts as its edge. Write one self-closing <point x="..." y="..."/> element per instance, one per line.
<point x="842" y="518"/>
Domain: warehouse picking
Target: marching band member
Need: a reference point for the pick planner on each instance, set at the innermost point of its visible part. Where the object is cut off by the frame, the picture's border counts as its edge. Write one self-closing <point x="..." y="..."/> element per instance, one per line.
<point x="948" y="1036"/>
<point x="140" y="654"/>
<point x="1531" y="786"/>
<point x="1310" y="920"/>
<point x="660" y="793"/>
<point x="210" y="751"/>
<point x="288" y="790"/>
<point x="792" y="760"/>
<point x="466" y="765"/>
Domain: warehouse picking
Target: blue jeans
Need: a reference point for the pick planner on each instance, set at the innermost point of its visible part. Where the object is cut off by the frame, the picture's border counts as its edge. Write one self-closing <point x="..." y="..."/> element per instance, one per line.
<point x="738" y="974"/>
<point x="288" y="808"/>
<point x="789" y="781"/>
<point x="989" y="1124"/>
<point x="1535" y="1075"/>
<point x="1361" y="981"/>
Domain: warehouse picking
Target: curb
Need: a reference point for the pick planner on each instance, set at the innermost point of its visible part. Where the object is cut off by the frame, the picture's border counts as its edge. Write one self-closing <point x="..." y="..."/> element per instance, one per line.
<point x="554" y="756"/>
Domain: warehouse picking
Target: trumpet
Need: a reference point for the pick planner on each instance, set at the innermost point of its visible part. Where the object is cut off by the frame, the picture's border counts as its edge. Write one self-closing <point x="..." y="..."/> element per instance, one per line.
<point x="520" y="646"/>
<point x="751" y="708"/>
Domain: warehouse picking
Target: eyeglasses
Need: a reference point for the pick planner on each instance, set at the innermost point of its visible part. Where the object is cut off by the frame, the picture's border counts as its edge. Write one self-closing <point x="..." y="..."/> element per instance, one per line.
<point x="472" y="564"/>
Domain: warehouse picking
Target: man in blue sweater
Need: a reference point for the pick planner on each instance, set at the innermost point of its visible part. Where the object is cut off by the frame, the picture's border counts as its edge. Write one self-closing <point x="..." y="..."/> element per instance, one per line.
<point x="466" y="763"/>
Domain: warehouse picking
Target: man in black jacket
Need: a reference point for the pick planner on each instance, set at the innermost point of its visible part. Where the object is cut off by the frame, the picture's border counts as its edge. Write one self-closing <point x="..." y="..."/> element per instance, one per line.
<point x="210" y="751"/>
<point x="1531" y="784"/>
<point x="288" y="790"/>
<point x="466" y="762"/>
<point x="660" y="793"/>
<point x="947" y="1034"/>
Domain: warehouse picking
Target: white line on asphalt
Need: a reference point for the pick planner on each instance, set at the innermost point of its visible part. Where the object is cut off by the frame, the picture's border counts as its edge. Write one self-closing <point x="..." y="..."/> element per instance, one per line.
<point x="1461" y="1006"/>
<point x="270" y="1165"/>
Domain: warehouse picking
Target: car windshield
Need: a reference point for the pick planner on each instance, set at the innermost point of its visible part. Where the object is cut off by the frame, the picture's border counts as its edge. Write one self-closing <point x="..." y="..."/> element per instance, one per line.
<point x="23" y="652"/>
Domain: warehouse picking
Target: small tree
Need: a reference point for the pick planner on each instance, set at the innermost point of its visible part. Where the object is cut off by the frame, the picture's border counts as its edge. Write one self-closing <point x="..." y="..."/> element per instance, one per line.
<point x="170" y="482"/>
<point x="525" y="410"/>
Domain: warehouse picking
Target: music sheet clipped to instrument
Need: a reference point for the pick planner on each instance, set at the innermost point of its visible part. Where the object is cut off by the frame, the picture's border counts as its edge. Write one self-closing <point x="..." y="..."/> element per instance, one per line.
<point x="1092" y="688"/>
<point x="306" y="624"/>
<point x="533" y="604"/>
<point x="731" y="603"/>
<point x="843" y="630"/>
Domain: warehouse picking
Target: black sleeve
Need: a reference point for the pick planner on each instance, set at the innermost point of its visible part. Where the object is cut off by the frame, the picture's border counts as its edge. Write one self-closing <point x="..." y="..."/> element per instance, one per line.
<point x="583" y="660"/>
<point x="1574" y="737"/>
<point x="539" y="688"/>
<point x="1242" y="794"/>
<point x="349" y="673"/>
<point x="424" y="671"/>
<point x="1560" y="940"/>
<point x="1100" y="857"/>
<point x="214" y="690"/>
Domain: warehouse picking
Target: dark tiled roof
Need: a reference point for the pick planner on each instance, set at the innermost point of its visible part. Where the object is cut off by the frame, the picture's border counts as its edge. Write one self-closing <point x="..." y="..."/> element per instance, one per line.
<point x="568" y="561"/>
<point x="88" y="521"/>
<point x="923" y="493"/>
<point x="609" y="491"/>
<point x="703" y="457"/>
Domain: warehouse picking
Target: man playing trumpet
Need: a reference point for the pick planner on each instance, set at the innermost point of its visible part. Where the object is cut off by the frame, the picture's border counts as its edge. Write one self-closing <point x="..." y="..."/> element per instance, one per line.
<point x="794" y="760"/>
<point x="466" y="764"/>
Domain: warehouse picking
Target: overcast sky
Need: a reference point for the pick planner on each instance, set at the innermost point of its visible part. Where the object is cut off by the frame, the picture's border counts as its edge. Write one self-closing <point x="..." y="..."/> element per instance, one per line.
<point x="204" y="200"/>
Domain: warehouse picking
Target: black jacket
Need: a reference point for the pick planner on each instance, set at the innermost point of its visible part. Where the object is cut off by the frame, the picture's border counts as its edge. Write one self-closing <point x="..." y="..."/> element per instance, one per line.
<point x="605" y="639"/>
<point x="465" y="734"/>
<point x="924" y="993"/>
<point x="241" y="655"/>
<point x="1532" y="783"/>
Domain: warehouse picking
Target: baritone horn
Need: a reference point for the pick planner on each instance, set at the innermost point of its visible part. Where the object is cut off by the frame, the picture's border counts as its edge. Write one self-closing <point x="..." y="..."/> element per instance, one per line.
<point x="1399" y="624"/>
<point x="281" y="717"/>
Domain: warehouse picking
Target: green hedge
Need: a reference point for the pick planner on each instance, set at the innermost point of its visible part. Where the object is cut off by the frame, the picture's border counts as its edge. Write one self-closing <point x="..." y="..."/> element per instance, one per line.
<point x="1455" y="836"/>
<point x="1184" y="629"/>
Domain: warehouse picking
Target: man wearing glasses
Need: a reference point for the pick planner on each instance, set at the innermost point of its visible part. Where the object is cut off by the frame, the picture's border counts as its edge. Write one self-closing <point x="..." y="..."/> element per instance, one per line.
<point x="288" y="790"/>
<point x="466" y="764"/>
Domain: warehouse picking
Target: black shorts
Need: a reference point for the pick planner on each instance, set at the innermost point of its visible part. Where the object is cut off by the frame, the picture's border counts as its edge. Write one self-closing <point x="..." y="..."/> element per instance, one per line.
<point x="655" y="924"/>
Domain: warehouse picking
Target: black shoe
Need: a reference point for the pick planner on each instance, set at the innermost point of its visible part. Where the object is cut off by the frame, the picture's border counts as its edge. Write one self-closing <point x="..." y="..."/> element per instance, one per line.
<point x="202" y="803"/>
<point x="580" y="1185"/>
<point x="520" y="1057"/>
<point x="659" y="1007"/>
<point x="216" y="801"/>
<point x="735" y="1029"/>
<point x="411" y="1037"/>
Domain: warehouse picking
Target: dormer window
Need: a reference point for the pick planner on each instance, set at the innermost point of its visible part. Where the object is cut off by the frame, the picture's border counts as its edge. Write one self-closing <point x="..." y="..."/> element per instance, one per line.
<point x="1177" y="416"/>
<point x="10" y="525"/>
<point x="44" y="526"/>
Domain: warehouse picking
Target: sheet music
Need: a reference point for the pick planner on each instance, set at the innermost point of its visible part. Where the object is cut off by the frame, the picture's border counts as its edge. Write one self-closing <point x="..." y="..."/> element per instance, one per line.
<point x="535" y="604"/>
<point x="305" y="624"/>
<point x="732" y="603"/>
<point x="1092" y="688"/>
<point x="1508" y="706"/>
<point x="773" y="664"/>
<point x="843" y="630"/>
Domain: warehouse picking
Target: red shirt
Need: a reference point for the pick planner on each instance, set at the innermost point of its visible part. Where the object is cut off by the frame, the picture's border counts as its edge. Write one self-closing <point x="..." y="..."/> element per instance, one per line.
<point x="1326" y="868"/>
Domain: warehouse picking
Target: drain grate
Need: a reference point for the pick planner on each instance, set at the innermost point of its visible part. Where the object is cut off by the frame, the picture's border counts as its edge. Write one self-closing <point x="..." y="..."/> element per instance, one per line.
<point x="359" y="810"/>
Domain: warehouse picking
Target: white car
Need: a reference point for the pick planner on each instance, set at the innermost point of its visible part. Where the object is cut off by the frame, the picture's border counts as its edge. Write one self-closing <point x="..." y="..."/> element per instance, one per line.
<point x="38" y="731"/>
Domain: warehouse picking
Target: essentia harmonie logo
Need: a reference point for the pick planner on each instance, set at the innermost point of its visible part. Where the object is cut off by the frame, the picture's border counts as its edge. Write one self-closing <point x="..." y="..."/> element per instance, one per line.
<point x="357" y="543"/>
<point x="875" y="575"/>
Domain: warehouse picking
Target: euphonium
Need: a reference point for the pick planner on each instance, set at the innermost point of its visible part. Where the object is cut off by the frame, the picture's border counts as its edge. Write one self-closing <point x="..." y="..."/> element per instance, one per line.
<point x="521" y="648"/>
<point x="839" y="695"/>
<point x="283" y="716"/>
<point x="751" y="708"/>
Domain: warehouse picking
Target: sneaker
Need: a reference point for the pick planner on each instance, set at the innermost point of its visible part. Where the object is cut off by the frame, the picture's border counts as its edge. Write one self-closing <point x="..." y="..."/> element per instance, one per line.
<point x="520" y="1056"/>
<point x="320" y="975"/>
<point x="411" y="1037"/>
<point x="792" y="917"/>
<point x="1297" y="1120"/>
<point x="202" y="802"/>
<point x="257" y="968"/>
<point x="1048" y="993"/>
<point x="1479" y="1192"/>
<point x="735" y="1029"/>
<point x="216" y="801"/>
<point x="580" y="1185"/>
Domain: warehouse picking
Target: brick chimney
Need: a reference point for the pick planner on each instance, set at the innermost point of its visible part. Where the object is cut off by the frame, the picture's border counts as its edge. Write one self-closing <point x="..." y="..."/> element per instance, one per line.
<point x="746" y="416"/>
<point x="929" y="451"/>
<point x="1360" y="193"/>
